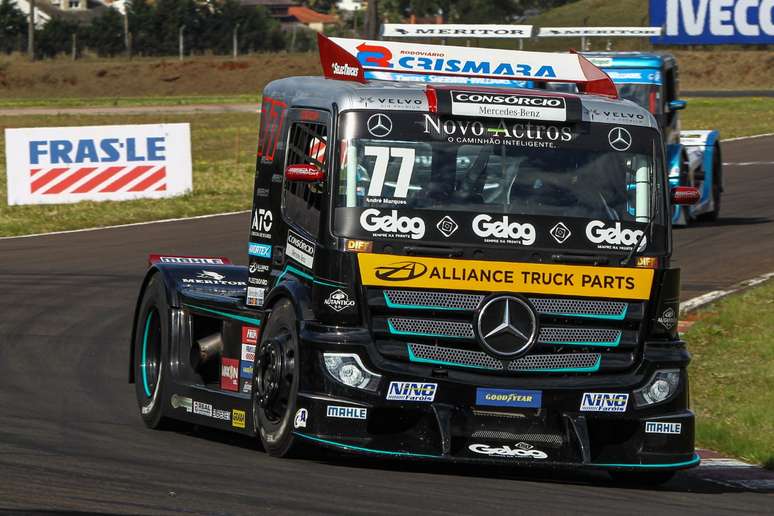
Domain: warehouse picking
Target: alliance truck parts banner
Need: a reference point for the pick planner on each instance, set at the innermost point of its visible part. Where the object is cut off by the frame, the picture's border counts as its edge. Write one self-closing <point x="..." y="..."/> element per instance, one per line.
<point x="51" y="165"/>
<point x="533" y="278"/>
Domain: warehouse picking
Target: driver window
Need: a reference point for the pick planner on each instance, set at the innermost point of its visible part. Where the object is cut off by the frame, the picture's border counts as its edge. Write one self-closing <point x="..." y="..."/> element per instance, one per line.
<point x="301" y="202"/>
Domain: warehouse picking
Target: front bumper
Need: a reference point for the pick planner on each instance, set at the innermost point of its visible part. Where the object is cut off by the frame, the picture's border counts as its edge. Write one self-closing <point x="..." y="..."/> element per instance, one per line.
<point x="457" y="427"/>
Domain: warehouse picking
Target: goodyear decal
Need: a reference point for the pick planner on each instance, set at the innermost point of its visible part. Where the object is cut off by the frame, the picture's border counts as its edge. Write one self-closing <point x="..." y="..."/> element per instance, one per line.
<point x="536" y="278"/>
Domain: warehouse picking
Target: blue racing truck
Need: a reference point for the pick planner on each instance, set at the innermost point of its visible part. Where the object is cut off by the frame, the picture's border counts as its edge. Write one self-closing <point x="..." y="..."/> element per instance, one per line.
<point x="693" y="157"/>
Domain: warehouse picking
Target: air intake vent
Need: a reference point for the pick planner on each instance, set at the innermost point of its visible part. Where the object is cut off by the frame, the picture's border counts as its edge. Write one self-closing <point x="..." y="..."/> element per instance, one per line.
<point x="579" y="307"/>
<point x="573" y="362"/>
<point x="580" y="336"/>
<point x="430" y="328"/>
<point x="431" y="300"/>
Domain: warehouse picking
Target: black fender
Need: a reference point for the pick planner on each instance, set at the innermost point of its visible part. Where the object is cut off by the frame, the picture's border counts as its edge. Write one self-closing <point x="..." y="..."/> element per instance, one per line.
<point x="298" y="291"/>
<point x="219" y="281"/>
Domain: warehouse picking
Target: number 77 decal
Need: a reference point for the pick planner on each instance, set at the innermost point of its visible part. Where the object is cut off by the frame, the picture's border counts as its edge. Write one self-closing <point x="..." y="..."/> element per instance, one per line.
<point x="383" y="155"/>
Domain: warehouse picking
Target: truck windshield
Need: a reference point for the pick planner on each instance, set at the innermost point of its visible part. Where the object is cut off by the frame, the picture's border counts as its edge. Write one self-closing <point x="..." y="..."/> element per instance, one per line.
<point x="419" y="161"/>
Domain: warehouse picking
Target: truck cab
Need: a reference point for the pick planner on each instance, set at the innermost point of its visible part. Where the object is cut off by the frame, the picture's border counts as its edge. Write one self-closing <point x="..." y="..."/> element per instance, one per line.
<point x="440" y="271"/>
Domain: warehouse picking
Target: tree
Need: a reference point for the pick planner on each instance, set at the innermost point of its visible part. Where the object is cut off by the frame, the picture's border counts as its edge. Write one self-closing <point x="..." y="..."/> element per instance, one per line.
<point x="55" y="38"/>
<point x="105" y="35"/>
<point x="13" y="27"/>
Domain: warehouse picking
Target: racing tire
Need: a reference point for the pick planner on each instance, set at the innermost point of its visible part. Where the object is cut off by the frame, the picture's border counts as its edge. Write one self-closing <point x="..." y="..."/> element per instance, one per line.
<point x="641" y="478"/>
<point x="151" y="352"/>
<point x="717" y="188"/>
<point x="275" y="382"/>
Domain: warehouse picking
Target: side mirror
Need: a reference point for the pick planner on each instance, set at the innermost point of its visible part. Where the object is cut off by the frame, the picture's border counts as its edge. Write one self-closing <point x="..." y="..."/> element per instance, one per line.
<point x="684" y="195"/>
<point x="677" y="105"/>
<point x="304" y="172"/>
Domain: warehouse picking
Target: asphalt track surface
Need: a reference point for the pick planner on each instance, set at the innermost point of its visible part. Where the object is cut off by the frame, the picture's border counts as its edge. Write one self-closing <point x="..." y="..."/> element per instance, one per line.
<point x="71" y="438"/>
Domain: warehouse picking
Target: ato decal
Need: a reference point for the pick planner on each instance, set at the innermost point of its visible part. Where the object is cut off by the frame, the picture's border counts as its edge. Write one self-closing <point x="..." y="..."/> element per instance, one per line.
<point x="537" y="278"/>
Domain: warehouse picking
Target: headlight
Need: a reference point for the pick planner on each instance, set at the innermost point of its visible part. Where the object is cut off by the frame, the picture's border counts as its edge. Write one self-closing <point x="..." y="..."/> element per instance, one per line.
<point x="663" y="386"/>
<point x="348" y="369"/>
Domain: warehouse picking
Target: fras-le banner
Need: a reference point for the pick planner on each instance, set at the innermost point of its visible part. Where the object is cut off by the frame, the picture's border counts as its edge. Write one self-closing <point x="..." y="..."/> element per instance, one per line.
<point x="537" y="278"/>
<point x="49" y="165"/>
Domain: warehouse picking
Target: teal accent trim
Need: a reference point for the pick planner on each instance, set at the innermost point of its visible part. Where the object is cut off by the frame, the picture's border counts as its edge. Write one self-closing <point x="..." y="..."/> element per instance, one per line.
<point x="390" y="304"/>
<point x="414" y="358"/>
<point x="619" y="317"/>
<point x="613" y="344"/>
<point x="369" y="450"/>
<point x="591" y="369"/>
<point x="417" y="334"/>
<point x="144" y="348"/>
<point x="298" y="272"/>
<point x="256" y="322"/>
<point x="695" y="460"/>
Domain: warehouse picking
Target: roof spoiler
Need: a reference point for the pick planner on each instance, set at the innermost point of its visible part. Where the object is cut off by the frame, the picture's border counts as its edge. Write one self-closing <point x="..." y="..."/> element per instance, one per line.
<point x="360" y="60"/>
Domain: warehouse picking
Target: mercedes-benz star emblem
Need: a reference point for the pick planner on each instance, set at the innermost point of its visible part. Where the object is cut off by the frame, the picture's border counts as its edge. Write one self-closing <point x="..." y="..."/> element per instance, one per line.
<point x="620" y="139"/>
<point x="379" y="125"/>
<point x="507" y="326"/>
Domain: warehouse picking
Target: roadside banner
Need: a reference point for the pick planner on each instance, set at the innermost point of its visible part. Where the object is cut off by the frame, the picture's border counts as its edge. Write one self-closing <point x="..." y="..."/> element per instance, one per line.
<point x="413" y="30"/>
<point x="713" y="22"/>
<point x="51" y="165"/>
<point x="606" y="32"/>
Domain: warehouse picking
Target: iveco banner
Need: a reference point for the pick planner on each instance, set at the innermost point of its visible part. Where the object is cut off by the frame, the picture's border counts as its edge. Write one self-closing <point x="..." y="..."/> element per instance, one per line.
<point x="49" y="165"/>
<point x="713" y="22"/>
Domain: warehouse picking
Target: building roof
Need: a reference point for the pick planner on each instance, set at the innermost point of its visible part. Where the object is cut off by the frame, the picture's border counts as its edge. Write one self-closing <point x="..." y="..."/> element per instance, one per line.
<point x="306" y="16"/>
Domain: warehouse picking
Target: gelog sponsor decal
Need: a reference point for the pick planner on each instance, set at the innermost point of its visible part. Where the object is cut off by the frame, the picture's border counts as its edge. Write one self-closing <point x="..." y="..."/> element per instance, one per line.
<point x="489" y="276"/>
<point x="411" y="391"/>
<point x="614" y="237"/>
<point x="392" y="225"/>
<point x="300" y="249"/>
<point x="503" y="230"/>
<point x="518" y="451"/>
<point x="604" y="402"/>
<point x="509" y="398"/>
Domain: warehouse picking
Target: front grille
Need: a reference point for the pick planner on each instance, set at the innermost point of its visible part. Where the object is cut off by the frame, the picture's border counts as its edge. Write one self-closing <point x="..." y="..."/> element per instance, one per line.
<point x="571" y="362"/>
<point x="430" y="328"/>
<point x="573" y="335"/>
<point x="579" y="307"/>
<point x="438" y="327"/>
<point x="569" y="307"/>
<point x="418" y="299"/>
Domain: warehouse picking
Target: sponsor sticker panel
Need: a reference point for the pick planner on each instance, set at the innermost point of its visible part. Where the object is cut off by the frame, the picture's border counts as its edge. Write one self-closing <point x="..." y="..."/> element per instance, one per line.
<point x="604" y="402"/>
<point x="229" y="374"/>
<point x="411" y="391"/>
<point x="300" y="249"/>
<point x="509" y="398"/>
<point x="346" y="412"/>
<point x="520" y="450"/>
<point x="420" y="272"/>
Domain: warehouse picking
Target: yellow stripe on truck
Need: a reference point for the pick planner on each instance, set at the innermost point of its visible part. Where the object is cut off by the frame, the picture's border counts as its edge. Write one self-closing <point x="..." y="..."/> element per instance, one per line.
<point x="533" y="278"/>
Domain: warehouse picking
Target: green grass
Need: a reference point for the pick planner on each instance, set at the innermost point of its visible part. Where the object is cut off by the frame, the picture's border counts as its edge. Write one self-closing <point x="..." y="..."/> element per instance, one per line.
<point x="223" y="148"/>
<point x="732" y="375"/>
<point x="11" y="103"/>
<point x="731" y="116"/>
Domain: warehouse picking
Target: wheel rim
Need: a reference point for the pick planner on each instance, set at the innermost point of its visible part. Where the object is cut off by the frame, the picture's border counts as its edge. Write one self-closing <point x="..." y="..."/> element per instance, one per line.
<point x="150" y="359"/>
<point x="273" y="376"/>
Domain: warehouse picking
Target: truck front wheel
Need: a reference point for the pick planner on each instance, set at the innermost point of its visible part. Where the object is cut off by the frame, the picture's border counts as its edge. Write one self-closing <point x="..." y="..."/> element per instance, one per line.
<point x="150" y="352"/>
<point x="275" y="382"/>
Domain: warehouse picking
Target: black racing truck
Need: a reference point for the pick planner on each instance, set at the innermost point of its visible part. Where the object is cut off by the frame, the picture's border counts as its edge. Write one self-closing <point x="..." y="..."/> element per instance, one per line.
<point x="441" y="267"/>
